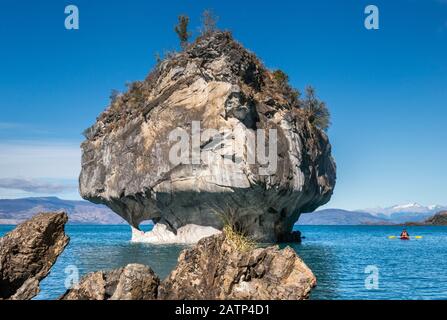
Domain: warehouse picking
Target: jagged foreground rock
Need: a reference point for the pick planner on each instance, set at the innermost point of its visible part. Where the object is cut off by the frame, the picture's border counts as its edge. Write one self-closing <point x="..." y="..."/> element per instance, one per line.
<point x="213" y="269"/>
<point x="125" y="162"/>
<point x="133" y="282"/>
<point x="28" y="252"/>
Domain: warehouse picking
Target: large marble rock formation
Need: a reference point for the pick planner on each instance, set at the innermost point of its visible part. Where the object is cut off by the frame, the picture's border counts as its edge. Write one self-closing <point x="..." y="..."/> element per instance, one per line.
<point x="126" y="160"/>
<point x="28" y="252"/>
<point x="133" y="282"/>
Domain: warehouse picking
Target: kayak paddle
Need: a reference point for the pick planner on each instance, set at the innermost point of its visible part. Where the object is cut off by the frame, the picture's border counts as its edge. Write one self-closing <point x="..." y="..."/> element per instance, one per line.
<point x="398" y="237"/>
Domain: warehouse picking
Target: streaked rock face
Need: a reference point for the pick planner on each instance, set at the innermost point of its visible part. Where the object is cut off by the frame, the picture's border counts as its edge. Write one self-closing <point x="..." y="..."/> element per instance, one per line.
<point x="28" y="252"/>
<point x="216" y="82"/>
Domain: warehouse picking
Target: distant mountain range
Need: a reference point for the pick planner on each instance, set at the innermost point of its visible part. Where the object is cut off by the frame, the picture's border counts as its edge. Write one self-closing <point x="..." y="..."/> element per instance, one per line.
<point x="406" y="212"/>
<point x="80" y="212"/>
<point x="338" y="217"/>
<point x="399" y="214"/>
<point x="439" y="219"/>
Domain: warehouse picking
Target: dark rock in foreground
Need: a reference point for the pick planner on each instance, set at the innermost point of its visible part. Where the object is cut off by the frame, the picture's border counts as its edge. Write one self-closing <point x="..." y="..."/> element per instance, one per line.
<point x="28" y="252"/>
<point x="214" y="269"/>
<point x="133" y="282"/>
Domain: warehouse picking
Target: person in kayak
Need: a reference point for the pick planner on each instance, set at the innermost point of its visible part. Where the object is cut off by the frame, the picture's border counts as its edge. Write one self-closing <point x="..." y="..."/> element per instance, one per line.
<point x="405" y="235"/>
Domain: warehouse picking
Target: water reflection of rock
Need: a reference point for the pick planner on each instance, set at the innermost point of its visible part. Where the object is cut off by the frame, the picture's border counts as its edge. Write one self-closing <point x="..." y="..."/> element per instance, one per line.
<point x="323" y="263"/>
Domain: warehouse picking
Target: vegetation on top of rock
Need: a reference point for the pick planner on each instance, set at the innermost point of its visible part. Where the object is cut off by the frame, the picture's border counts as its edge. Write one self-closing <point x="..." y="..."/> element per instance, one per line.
<point x="182" y="30"/>
<point x="315" y="110"/>
<point x="235" y="230"/>
<point x="114" y="95"/>
<point x="209" y="47"/>
<point x="209" y="22"/>
<point x="238" y="241"/>
<point x="281" y="77"/>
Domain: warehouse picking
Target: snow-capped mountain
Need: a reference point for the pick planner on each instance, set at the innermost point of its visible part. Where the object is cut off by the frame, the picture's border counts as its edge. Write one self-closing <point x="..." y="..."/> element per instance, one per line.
<point x="436" y="207"/>
<point x="413" y="211"/>
<point x="398" y="214"/>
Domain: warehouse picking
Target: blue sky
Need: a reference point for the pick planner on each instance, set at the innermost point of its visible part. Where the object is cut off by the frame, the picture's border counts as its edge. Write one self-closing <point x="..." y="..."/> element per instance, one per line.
<point x="386" y="89"/>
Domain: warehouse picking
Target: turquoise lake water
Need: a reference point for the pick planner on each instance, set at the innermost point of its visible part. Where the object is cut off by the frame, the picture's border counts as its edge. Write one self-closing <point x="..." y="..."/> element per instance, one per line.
<point x="338" y="256"/>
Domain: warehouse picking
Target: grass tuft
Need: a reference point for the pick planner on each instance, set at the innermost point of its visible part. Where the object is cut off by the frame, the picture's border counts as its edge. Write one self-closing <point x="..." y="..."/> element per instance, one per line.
<point x="236" y="232"/>
<point x="238" y="241"/>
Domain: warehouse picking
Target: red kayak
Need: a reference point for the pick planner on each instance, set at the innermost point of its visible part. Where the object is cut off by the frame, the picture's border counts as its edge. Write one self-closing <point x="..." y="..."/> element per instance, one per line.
<point x="404" y="238"/>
